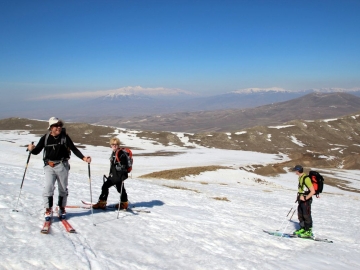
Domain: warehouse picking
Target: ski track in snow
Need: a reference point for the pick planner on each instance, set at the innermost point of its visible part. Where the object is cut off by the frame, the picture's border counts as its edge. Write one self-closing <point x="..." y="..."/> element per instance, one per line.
<point x="186" y="229"/>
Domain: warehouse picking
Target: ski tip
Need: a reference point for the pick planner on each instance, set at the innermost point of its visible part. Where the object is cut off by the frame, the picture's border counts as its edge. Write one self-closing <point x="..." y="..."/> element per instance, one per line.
<point x="322" y="240"/>
<point x="45" y="230"/>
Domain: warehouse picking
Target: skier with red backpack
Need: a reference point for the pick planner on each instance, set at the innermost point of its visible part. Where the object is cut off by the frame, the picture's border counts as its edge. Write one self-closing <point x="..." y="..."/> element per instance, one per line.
<point x="305" y="192"/>
<point x="120" y="166"/>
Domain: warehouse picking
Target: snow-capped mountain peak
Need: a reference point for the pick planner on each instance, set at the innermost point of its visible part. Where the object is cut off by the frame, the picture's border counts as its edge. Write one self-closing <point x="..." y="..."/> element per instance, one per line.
<point x="258" y="90"/>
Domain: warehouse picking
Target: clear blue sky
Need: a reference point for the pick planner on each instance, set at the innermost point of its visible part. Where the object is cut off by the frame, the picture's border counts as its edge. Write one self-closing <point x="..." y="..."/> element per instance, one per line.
<point x="202" y="46"/>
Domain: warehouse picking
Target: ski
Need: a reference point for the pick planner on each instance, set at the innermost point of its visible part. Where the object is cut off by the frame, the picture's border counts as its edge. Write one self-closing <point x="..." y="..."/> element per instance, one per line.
<point x="46" y="227"/>
<point x="66" y="224"/>
<point x="87" y="205"/>
<point x="110" y="207"/>
<point x="129" y="209"/>
<point x="290" y="235"/>
<point x="47" y="224"/>
<point x="140" y="210"/>
<point x="78" y="206"/>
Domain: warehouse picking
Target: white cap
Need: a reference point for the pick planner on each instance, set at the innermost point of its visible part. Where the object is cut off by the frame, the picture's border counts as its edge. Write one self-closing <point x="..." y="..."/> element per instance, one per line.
<point x="53" y="120"/>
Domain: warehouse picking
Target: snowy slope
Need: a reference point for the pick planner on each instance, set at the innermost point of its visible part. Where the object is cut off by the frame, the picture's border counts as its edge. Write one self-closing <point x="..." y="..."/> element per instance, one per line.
<point x="187" y="227"/>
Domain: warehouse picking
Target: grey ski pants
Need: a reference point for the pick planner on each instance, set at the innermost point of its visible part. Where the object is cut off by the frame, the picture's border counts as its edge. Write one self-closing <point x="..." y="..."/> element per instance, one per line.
<point x="59" y="173"/>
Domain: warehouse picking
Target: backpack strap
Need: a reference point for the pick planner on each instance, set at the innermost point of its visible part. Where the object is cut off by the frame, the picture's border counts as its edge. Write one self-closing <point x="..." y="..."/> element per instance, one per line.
<point x="117" y="159"/>
<point x="45" y="145"/>
<point x="303" y="183"/>
<point x="62" y="142"/>
<point x="117" y="156"/>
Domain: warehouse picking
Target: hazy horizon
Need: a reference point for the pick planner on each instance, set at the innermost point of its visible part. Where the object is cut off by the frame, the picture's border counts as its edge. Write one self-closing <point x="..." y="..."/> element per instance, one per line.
<point x="204" y="47"/>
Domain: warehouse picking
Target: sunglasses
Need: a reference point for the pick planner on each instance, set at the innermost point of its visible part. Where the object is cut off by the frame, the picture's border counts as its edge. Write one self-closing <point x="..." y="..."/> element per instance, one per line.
<point x="57" y="125"/>
<point x="113" y="144"/>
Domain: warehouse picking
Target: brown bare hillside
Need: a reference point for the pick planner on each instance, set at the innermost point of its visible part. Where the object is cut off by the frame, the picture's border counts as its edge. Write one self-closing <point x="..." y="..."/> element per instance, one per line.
<point x="177" y="174"/>
<point x="79" y="132"/>
<point x="326" y="144"/>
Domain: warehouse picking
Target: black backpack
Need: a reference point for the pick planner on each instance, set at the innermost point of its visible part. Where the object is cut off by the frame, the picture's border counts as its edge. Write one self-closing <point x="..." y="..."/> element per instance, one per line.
<point x="317" y="180"/>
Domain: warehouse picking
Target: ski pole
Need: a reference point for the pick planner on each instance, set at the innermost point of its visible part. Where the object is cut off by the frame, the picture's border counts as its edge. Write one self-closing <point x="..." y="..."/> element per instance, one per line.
<point x="285" y="229"/>
<point x="122" y="184"/>
<point x="22" y="182"/>
<point x="290" y="218"/>
<point x="292" y="208"/>
<point x="292" y="214"/>
<point x="92" y="211"/>
<point x="282" y="223"/>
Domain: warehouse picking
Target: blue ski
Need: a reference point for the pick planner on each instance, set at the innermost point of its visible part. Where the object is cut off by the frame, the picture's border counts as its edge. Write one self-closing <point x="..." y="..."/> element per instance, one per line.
<point x="290" y="235"/>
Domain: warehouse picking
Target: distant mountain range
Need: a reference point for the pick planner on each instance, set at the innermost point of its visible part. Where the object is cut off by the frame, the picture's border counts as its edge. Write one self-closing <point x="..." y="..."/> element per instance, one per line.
<point x="131" y="105"/>
<point x="171" y="109"/>
<point x="311" y="106"/>
<point x="135" y="105"/>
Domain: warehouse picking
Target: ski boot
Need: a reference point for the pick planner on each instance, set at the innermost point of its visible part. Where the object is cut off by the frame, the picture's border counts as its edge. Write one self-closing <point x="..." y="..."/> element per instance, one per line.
<point x="100" y="205"/>
<point x="123" y="205"/>
<point x="48" y="214"/>
<point x="62" y="213"/>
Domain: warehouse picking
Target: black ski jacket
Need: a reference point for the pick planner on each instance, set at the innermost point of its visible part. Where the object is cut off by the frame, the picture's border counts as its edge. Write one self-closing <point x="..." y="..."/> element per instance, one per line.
<point x="117" y="172"/>
<point x="55" y="150"/>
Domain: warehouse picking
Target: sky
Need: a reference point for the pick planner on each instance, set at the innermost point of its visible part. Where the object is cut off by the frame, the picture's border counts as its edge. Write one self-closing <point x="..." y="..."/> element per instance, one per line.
<point x="214" y="220"/>
<point x="201" y="46"/>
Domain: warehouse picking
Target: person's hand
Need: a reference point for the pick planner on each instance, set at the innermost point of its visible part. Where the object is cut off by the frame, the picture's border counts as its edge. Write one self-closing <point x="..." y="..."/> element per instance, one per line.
<point x="31" y="147"/>
<point x="87" y="159"/>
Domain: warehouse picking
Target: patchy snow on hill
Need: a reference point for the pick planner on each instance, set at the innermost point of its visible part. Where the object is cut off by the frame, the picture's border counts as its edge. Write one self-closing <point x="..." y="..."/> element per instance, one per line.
<point x="213" y="220"/>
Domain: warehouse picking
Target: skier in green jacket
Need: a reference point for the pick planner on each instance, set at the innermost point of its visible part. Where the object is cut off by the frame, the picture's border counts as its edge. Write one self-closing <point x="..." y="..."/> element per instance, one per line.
<point x="305" y="193"/>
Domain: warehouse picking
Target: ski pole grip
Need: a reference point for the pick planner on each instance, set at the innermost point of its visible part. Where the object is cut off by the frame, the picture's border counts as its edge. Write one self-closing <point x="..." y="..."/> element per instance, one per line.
<point x="27" y="148"/>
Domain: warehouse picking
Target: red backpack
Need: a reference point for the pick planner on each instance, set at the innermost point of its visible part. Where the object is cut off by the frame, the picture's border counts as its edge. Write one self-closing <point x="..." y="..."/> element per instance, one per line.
<point x="127" y="152"/>
<point x="317" y="181"/>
